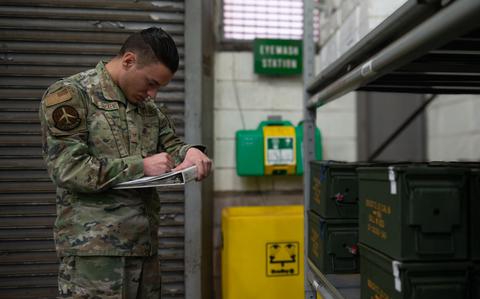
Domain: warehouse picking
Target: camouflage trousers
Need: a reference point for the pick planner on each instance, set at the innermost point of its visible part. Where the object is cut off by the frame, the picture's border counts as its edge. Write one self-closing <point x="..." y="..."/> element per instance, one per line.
<point x="109" y="277"/>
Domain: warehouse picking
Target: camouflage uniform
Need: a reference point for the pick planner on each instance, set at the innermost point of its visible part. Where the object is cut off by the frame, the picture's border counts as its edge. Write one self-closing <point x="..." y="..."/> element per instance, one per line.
<point x="109" y="277"/>
<point x="93" y="138"/>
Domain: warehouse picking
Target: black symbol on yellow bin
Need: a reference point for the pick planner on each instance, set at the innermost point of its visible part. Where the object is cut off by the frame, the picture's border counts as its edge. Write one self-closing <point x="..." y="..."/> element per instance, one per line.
<point x="282" y="258"/>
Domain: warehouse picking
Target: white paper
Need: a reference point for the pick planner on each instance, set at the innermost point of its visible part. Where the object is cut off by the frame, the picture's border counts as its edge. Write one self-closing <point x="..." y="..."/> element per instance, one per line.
<point x="177" y="178"/>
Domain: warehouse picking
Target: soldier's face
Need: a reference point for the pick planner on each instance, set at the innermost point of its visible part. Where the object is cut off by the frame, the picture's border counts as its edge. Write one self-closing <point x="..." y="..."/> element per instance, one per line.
<point x="139" y="83"/>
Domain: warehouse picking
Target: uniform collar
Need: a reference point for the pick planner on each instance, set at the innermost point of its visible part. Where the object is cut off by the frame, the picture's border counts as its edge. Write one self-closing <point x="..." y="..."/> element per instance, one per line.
<point x="110" y="90"/>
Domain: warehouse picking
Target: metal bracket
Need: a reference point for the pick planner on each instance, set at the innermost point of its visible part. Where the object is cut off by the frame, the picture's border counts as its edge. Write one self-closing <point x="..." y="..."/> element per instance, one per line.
<point x="396" y="275"/>
<point x="392" y="179"/>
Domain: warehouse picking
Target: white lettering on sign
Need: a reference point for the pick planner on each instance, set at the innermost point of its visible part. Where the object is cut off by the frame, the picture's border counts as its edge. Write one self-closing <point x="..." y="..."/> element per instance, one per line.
<point x="279" y="50"/>
<point x="279" y="63"/>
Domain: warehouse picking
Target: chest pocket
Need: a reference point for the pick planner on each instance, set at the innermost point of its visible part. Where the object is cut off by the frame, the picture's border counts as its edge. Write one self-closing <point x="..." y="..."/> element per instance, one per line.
<point x="149" y="136"/>
<point x="106" y="139"/>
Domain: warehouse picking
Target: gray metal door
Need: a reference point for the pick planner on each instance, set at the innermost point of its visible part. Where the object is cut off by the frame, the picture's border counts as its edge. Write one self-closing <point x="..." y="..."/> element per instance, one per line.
<point x="40" y="43"/>
<point x="379" y="115"/>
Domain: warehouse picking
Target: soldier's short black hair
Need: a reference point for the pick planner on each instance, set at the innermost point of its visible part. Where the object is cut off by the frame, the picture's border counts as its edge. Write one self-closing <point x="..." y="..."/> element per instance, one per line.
<point x="152" y="45"/>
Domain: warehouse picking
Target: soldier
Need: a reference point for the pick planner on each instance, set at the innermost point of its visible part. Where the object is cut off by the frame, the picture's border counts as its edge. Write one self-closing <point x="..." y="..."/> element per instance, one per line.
<point x="102" y="127"/>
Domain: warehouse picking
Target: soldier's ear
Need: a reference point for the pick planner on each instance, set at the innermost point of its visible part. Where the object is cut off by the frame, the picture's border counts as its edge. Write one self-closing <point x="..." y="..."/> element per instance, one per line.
<point x="128" y="60"/>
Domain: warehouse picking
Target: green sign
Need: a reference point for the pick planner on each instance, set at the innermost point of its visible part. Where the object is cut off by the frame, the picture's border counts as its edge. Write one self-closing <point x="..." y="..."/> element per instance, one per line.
<point x="278" y="56"/>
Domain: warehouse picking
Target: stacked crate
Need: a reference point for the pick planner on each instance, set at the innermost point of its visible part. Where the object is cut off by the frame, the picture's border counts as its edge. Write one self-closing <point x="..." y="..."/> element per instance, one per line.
<point x="333" y="217"/>
<point x="414" y="231"/>
<point x="475" y="229"/>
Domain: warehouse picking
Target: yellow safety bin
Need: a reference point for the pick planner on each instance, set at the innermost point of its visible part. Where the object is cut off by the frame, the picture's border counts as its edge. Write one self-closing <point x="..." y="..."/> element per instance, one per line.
<point x="262" y="252"/>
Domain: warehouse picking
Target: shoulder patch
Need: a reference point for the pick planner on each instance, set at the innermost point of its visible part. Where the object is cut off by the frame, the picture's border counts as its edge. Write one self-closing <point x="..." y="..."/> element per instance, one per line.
<point x="57" y="97"/>
<point x="66" y="118"/>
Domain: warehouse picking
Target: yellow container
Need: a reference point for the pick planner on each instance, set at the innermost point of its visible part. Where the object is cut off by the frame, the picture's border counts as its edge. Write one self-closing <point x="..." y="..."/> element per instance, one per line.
<point x="280" y="150"/>
<point x="262" y="253"/>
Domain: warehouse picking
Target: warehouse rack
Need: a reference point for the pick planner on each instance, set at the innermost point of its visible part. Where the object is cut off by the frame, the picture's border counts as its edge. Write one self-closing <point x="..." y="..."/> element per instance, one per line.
<point x="425" y="47"/>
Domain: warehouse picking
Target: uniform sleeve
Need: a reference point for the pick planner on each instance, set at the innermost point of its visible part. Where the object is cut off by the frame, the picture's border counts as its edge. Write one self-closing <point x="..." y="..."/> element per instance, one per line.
<point x="65" y="145"/>
<point x="170" y="142"/>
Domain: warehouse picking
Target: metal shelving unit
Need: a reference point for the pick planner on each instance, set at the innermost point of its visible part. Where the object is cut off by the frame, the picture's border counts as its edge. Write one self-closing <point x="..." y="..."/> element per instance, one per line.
<point x="426" y="46"/>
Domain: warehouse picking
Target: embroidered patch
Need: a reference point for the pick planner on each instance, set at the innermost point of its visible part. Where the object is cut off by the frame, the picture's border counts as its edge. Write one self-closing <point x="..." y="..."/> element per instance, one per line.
<point x="58" y="97"/>
<point x="66" y="118"/>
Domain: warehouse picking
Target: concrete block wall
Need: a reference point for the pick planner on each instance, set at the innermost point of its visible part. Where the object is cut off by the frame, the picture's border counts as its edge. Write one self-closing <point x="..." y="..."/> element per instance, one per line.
<point x="453" y="128"/>
<point x="344" y="23"/>
<point x="243" y="99"/>
<point x="338" y="124"/>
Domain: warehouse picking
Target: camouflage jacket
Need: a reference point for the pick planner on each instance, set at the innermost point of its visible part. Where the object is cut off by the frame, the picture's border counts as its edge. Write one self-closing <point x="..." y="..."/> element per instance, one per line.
<point x="93" y="138"/>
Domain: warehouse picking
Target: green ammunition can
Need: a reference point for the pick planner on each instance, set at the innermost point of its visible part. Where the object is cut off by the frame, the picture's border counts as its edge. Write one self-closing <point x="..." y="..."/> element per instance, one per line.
<point x="473" y="205"/>
<point x="474" y="214"/>
<point x="332" y="245"/>
<point x="475" y="282"/>
<point x="334" y="189"/>
<point x="414" y="212"/>
<point x="383" y="277"/>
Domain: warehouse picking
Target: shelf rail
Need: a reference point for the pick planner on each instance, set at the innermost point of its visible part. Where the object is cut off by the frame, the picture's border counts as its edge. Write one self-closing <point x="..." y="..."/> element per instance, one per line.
<point x="456" y="19"/>
<point x="409" y="15"/>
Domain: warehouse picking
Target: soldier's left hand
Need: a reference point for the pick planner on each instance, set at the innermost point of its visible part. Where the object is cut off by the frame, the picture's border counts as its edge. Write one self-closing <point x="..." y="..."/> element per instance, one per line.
<point x="196" y="157"/>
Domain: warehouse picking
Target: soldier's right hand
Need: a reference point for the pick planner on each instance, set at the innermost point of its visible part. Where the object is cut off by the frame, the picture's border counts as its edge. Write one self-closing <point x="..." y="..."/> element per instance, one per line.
<point x="157" y="164"/>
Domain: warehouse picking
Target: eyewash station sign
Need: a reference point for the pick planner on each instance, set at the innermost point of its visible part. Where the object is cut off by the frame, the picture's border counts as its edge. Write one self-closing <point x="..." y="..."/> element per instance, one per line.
<point x="278" y="56"/>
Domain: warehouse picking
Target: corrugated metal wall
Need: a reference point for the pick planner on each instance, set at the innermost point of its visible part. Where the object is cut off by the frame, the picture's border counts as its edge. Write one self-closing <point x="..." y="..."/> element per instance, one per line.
<point x="40" y="43"/>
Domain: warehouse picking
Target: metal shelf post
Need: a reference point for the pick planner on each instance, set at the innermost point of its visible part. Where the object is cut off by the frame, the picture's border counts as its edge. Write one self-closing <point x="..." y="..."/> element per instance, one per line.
<point x="309" y="116"/>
